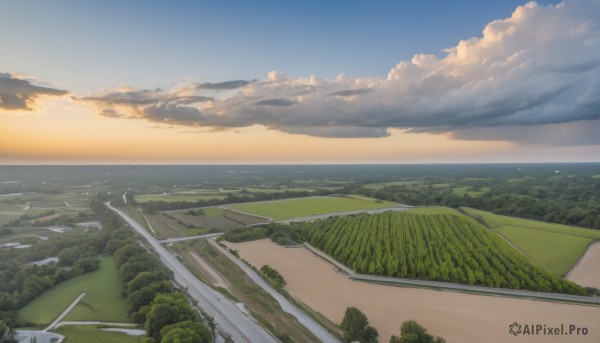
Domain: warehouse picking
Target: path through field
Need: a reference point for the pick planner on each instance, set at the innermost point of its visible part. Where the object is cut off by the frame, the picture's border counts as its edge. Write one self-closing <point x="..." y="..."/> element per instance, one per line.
<point x="587" y="271"/>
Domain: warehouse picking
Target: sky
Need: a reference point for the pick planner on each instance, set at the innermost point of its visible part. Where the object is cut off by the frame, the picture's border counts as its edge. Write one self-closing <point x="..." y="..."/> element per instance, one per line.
<point x="241" y="82"/>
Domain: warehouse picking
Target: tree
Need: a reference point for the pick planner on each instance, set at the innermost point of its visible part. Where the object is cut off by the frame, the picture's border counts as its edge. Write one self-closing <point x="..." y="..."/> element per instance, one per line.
<point x="412" y="332"/>
<point x="186" y="332"/>
<point x="356" y="327"/>
<point x="7" y="334"/>
<point x="168" y="309"/>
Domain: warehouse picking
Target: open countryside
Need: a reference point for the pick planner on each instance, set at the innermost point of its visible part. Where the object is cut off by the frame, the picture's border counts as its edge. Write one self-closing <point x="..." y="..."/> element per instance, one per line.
<point x="554" y="247"/>
<point x="304" y="207"/>
<point x="450" y="315"/>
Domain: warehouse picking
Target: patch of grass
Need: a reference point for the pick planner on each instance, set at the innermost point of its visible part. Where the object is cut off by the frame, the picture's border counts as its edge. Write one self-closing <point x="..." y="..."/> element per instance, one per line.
<point x="92" y="334"/>
<point x="302" y="207"/>
<point x="461" y="191"/>
<point x="103" y="301"/>
<point x="554" y="247"/>
<point x="434" y="210"/>
<point x="177" y="197"/>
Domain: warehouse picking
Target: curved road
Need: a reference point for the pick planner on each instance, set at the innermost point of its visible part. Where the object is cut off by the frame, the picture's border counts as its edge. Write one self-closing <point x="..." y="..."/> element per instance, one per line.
<point x="228" y="316"/>
<point x="316" y="328"/>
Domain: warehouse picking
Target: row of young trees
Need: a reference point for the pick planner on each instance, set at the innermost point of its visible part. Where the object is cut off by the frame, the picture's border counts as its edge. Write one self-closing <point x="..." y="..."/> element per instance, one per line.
<point x="441" y="247"/>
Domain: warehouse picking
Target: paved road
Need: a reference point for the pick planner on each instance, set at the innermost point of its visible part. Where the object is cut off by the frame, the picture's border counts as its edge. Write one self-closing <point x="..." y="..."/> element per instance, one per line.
<point x="317" y="330"/>
<point x="226" y="314"/>
<point x="339" y="214"/>
<point x="126" y="325"/>
<point x="454" y="286"/>
<point x="65" y="312"/>
<point x="189" y="238"/>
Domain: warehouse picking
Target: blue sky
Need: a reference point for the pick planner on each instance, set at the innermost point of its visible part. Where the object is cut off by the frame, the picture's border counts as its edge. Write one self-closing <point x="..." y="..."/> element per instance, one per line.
<point x="84" y="45"/>
<point x="299" y="82"/>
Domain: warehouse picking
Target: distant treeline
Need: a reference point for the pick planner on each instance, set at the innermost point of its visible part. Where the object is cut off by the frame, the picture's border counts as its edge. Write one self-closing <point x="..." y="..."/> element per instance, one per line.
<point x="570" y="200"/>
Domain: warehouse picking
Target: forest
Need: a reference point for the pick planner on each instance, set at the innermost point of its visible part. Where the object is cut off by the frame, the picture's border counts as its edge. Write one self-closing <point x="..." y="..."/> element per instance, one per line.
<point x="440" y="247"/>
<point x="563" y="199"/>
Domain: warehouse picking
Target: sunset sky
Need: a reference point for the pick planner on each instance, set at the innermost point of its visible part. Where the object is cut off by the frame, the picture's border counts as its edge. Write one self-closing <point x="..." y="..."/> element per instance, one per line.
<point x="232" y="82"/>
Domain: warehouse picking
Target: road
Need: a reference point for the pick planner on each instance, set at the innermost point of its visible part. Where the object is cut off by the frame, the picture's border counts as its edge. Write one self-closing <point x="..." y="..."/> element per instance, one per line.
<point x="65" y="312"/>
<point x="314" y="327"/>
<point x="227" y="315"/>
<point x="454" y="286"/>
<point x="189" y="238"/>
<point x="339" y="214"/>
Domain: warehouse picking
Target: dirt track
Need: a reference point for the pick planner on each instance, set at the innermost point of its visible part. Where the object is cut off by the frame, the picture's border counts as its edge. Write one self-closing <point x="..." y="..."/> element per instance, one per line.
<point x="587" y="270"/>
<point x="457" y="317"/>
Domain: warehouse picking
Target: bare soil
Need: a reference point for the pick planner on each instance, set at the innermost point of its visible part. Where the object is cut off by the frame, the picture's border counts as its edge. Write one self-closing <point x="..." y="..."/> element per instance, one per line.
<point x="587" y="271"/>
<point x="457" y="317"/>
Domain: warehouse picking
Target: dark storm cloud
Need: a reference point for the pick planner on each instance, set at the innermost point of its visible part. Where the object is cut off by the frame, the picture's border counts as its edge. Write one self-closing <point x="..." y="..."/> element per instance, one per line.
<point x="20" y="94"/>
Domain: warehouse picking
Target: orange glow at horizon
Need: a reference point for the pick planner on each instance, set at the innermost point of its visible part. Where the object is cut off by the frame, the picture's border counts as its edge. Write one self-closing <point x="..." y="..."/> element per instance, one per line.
<point x="67" y="133"/>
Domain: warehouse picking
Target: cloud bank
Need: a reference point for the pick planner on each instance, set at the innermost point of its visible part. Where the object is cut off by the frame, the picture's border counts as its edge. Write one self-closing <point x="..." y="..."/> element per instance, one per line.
<point x="19" y="92"/>
<point x="537" y="68"/>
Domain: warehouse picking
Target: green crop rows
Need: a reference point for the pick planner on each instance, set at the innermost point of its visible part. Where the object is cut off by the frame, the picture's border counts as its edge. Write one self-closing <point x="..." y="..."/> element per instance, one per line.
<point x="441" y="247"/>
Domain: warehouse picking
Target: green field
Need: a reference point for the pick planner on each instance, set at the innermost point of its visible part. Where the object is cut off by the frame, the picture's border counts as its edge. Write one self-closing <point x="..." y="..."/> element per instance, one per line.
<point x="92" y="334"/>
<point x="554" y="247"/>
<point x="461" y="191"/>
<point x="102" y="303"/>
<point x="444" y="246"/>
<point x="177" y="197"/>
<point x="433" y="210"/>
<point x="303" y="207"/>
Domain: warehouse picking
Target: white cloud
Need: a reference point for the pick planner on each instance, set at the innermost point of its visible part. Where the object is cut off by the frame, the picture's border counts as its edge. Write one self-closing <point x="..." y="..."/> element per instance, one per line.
<point x="540" y="66"/>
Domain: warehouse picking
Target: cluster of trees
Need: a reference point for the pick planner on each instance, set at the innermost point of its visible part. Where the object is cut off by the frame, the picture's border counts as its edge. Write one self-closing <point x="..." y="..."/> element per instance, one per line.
<point x="17" y="221"/>
<point x="273" y="276"/>
<point x="7" y="334"/>
<point x="280" y="234"/>
<point x="153" y="300"/>
<point x="21" y="281"/>
<point x="442" y="247"/>
<point x="356" y="328"/>
<point x="412" y="332"/>
<point x="565" y="199"/>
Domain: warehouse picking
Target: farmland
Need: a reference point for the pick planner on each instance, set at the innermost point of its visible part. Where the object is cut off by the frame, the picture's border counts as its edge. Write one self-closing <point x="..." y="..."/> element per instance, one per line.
<point x="302" y="207"/>
<point x="103" y="301"/>
<point x="442" y="247"/>
<point x="458" y="317"/>
<point x="240" y="287"/>
<point x="554" y="247"/>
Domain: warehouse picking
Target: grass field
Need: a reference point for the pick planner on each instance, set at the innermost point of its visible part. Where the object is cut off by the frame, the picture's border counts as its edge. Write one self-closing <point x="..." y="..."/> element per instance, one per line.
<point x="92" y="334"/>
<point x="177" y="197"/>
<point x="302" y="207"/>
<point x="554" y="247"/>
<point x="433" y="210"/>
<point x="102" y="303"/>
<point x="461" y="191"/>
<point x="215" y="218"/>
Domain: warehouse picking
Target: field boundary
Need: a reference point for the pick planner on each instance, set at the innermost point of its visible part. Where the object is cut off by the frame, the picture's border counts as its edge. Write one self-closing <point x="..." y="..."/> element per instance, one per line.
<point x="448" y="286"/>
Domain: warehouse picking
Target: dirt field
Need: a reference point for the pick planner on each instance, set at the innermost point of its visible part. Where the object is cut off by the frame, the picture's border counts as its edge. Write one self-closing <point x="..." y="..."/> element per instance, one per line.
<point x="457" y="317"/>
<point x="587" y="271"/>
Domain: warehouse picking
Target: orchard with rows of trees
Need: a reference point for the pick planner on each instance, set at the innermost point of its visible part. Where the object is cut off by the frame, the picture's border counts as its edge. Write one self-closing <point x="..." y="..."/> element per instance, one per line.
<point x="440" y="247"/>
